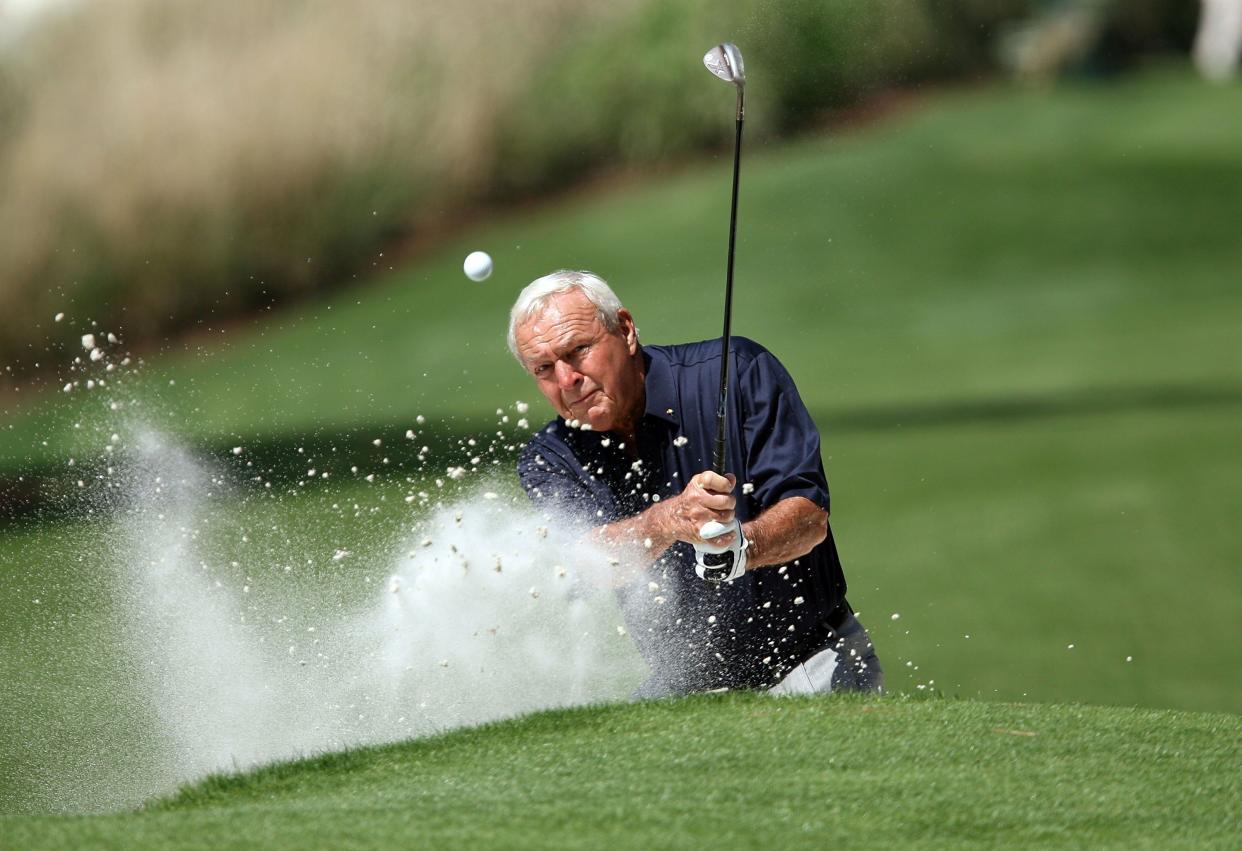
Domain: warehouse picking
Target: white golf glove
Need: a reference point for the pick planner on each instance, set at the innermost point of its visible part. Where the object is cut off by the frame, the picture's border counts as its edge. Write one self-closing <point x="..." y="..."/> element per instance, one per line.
<point x="720" y="564"/>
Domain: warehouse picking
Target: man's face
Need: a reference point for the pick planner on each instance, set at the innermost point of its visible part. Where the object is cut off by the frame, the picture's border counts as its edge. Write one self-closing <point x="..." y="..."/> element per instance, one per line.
<point x="587" y="372"/>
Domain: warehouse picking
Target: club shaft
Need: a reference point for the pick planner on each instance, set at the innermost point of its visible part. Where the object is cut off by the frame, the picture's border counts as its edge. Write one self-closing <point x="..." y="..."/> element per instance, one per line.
<point x="722" y="424"/>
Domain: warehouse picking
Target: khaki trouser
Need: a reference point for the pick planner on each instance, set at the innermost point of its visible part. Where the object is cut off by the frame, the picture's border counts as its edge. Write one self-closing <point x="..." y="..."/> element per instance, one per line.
<point x="848" y="663"/>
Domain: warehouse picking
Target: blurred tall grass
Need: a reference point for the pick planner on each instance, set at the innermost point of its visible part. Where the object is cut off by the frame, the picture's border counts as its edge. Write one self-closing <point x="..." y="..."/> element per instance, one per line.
<point x="166" y="160"/>
<point x="161" y="158"/>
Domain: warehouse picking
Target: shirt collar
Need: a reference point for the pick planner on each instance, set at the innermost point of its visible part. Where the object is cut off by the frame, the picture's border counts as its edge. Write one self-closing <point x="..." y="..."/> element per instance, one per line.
<point x="661" y="394"/>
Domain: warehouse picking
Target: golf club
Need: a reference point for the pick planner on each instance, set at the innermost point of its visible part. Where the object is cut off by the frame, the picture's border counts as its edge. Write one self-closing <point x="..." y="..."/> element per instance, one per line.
<point x="725" y="62"/>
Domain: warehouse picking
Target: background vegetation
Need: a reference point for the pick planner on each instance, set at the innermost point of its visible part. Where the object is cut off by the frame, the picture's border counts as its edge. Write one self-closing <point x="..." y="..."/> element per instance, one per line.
<point x="164" y="160"/>
<point x="1009" y="308"/>
<point x="1018" y="342"/>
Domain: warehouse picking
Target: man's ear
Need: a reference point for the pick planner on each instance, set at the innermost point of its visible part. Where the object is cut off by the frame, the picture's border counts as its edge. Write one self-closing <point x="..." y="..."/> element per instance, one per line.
<point x="628" y="329"/>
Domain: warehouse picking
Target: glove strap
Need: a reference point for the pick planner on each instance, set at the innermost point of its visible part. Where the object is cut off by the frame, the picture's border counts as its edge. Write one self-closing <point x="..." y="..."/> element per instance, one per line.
<point x="722" y="564"/>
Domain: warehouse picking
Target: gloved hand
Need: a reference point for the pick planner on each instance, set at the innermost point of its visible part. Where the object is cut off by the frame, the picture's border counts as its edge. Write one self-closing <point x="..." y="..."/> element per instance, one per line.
<point x="720" y="564"/>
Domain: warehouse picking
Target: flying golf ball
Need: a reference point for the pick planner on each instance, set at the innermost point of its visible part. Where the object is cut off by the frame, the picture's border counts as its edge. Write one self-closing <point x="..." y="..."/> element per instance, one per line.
<point x="478" y="266"/>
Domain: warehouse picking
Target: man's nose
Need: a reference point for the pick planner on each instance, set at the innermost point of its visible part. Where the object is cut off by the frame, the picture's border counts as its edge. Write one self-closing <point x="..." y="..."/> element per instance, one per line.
<point x="566" y="375"/>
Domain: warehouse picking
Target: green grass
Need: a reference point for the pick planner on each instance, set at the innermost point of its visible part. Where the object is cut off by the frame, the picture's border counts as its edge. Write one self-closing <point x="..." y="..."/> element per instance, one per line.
<point x="736" y="770"/>
<point x="1111" y="532"/>
<point x="998" y="244"/>
<point x="1011" y="312"/>
<point x="1123" y="546"/>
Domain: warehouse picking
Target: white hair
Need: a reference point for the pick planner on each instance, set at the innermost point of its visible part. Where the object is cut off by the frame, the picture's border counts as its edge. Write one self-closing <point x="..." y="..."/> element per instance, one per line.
<point x="538" y="292"/>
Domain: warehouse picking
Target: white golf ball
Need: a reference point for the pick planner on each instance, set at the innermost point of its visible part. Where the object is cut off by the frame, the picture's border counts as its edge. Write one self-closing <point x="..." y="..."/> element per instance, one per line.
<point x="478" y="266"/>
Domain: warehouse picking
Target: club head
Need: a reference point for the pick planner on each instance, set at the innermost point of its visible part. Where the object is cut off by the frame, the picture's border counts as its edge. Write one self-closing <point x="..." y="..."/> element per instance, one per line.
<point x="725" y="61"/>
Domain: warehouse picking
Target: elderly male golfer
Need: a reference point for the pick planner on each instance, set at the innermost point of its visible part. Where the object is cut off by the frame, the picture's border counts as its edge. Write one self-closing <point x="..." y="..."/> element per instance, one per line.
<point x="630" y="454"/>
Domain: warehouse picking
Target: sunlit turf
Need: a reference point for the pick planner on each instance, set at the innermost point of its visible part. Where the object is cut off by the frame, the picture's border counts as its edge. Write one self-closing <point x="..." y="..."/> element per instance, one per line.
<point x="981" y="245"/>
<point x="737" y="770"/>
<point x="1012" y="314"/>
<point x="1121" y="546"/>
<point x="1081" y="557"/>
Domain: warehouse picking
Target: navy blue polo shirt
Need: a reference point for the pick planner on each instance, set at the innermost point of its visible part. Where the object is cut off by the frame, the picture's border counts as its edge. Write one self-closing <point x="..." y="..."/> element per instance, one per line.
<point x="696" y="635"/>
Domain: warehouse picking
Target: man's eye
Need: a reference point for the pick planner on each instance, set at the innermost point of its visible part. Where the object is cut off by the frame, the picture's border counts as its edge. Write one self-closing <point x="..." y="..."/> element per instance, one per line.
<point x="581" y="349"/>
<point x="542" y="369"/>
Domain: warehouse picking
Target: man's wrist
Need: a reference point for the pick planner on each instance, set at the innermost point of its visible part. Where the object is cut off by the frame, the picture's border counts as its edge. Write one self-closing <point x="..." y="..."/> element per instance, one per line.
<point x="754" y="548"/>
<point x="648" y="532"/>
<point x="658" y="528"/>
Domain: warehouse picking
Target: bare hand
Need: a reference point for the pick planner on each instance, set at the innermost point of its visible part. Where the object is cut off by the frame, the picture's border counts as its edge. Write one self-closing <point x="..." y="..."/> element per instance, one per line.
<point x="707" y="496"/>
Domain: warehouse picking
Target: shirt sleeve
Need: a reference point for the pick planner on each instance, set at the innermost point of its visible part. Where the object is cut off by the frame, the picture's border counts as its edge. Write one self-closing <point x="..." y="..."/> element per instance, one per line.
<point x="781" y="440"/>
<point x="554" y="488"/>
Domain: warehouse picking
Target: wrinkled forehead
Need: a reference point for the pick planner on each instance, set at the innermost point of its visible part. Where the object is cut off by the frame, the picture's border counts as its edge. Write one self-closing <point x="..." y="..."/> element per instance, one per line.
<point x="562" y="320"/>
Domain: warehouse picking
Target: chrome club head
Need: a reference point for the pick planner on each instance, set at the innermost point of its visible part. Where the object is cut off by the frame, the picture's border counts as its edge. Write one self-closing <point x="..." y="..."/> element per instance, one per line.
<point x="725" y="62"/>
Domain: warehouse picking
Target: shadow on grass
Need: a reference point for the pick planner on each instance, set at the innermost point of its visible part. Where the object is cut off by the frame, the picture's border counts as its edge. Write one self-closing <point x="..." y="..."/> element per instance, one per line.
<point x="47" y="492"/>
<point x="50" y="491"/>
